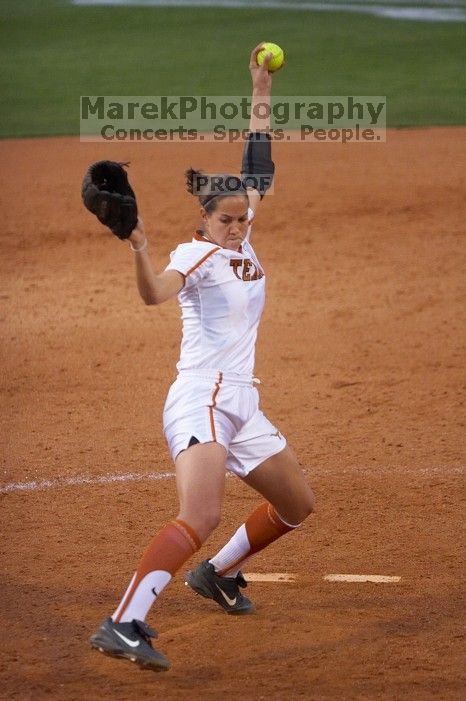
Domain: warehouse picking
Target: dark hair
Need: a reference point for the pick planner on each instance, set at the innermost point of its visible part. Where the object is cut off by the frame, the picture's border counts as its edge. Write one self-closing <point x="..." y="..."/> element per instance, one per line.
<point x="210" y="189"/>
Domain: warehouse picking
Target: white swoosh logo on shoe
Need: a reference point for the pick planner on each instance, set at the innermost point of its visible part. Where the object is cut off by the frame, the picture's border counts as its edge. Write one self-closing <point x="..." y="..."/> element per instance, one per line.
<point x="230" y="602"/>
<point x="131" y="643"/>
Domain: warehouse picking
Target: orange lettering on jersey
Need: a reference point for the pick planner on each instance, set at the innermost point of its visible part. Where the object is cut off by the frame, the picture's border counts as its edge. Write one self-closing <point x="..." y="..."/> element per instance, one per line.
<point x="236" y="263"/>
<point x="250" y="270"/>
<point x="257" y="272"/>
<point x="246" y="274"/>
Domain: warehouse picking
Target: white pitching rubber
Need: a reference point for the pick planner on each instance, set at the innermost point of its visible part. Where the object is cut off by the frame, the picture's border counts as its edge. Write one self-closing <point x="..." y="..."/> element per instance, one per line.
<point x="269" y="577"/>
<point x="377" y="578"/>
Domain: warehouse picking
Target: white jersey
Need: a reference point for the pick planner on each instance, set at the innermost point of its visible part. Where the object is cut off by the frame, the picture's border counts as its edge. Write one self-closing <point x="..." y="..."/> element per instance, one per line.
<point x="221" y="305"/>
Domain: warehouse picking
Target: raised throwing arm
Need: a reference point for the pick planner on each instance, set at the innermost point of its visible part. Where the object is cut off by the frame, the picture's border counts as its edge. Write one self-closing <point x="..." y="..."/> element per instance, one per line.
<point x="257" y="167"/>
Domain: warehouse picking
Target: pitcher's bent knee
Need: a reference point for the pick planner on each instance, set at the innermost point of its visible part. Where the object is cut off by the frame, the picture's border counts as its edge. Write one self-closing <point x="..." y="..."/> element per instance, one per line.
<point x="304" y="507"/>
<point x="309" y="503"/>
<point x="309" y="506"/>
<point x="203" y="523"/>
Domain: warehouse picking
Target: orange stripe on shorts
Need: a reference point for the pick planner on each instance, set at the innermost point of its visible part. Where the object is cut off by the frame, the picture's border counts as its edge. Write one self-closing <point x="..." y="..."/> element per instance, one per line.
<point x="212" y="406"/>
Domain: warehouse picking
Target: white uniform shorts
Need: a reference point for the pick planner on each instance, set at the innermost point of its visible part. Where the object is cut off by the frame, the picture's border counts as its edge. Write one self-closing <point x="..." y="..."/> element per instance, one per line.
<point x="216" y="407"/>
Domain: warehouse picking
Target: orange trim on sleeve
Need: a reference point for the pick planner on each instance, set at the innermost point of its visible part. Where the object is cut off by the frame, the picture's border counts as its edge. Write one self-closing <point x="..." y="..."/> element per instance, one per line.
<point x="203" y="259"/>
<point x="212" y="406"/>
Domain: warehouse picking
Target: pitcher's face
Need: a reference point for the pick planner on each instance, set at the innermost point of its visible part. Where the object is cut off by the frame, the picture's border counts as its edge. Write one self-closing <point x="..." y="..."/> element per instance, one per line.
<point x="228" y="223"/>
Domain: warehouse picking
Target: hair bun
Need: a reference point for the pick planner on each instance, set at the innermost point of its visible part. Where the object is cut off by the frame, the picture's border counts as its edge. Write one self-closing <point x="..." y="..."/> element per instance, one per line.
<point x="191" y="175"/>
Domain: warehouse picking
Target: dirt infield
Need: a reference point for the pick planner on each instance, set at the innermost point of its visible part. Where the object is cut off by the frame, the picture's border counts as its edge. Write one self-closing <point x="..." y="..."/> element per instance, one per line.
<point x="361" y="357"/>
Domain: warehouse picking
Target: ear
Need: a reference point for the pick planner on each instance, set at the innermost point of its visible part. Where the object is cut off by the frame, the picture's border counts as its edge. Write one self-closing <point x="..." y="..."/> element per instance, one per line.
<point x="204" y="214"/>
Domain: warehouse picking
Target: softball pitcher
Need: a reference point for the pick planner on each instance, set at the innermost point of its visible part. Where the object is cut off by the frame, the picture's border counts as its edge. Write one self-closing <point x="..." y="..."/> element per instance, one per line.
<point x="212" y="420"/>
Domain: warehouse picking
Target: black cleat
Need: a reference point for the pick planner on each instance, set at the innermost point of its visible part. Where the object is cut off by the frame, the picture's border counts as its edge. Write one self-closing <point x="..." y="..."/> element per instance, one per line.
<point x="223" y="590"/>
<point x="130" y="640"/>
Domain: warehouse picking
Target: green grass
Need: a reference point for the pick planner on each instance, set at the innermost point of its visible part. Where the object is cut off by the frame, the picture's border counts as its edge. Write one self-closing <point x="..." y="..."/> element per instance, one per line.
<point x="53" y="52"/>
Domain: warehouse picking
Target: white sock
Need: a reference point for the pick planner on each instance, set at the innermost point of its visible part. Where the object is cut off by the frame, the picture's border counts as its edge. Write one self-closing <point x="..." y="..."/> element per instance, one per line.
<point x="234" y="551"/>
<point x="146" y="593"/>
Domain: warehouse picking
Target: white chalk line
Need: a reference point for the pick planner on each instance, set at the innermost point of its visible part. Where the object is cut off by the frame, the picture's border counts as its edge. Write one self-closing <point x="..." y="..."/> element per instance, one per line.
<point x="83" y="480"/>
<point x="79" y="480"/>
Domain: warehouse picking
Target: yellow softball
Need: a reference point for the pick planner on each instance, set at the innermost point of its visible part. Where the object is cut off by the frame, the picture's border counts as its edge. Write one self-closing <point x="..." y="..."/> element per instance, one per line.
<point x="278" y="56"/>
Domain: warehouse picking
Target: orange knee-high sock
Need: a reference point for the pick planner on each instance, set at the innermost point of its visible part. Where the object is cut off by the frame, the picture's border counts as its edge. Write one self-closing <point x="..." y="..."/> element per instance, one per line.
<point x="262" y="527"/>
<point x="165" y="554"/>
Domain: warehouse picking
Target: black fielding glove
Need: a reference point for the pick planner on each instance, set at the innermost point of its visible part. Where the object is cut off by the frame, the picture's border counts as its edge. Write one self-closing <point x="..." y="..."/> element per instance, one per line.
<point x="107" y="193"/>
